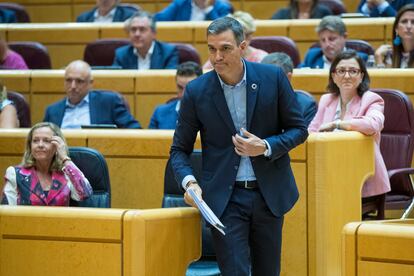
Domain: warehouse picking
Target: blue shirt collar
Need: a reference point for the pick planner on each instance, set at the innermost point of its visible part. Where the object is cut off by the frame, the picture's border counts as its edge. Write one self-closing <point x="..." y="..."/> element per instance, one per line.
<point x="85" y="100"/>
<point x="240" y="83"/>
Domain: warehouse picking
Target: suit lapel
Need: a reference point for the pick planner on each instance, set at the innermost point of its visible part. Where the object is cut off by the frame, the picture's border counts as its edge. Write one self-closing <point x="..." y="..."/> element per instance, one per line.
<point x="353" y="107"/>
<point x="92" y="110"/>
<point x="156" y="58"/>
<point x="220" y="102"/>
<point x="252" y="91"/>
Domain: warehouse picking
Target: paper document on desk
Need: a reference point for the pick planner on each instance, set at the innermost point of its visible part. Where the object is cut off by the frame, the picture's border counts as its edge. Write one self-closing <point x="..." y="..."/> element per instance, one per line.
<point x="206" y="212"/>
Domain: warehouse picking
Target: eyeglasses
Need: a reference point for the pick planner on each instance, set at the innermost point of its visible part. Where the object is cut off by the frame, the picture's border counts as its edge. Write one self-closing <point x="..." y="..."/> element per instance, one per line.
<point x="353" y="72"/>
<point x="77" y="81"/>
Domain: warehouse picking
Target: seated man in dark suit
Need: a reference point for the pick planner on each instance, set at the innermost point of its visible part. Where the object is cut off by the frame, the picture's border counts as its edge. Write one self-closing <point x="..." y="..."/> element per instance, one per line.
<point x="145" y="52"/>
<point x="285" y="62"/>
<point x="332" y="37"/>
<point x="107" y="11"/>
<point x="382" y="8"/>
<point x="165" y="115"/>
<point x="194" y="10"/>
<point x="7" y="16"/>
<point x="84" y="106"/>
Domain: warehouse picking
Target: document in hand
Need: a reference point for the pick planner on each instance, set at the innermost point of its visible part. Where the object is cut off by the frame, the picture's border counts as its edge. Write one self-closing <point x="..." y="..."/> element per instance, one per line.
<point x="206" y="212"/>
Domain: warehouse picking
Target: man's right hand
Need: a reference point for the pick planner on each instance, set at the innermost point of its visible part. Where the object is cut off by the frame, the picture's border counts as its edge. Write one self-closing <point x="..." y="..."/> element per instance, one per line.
<point x="196" y="188"/>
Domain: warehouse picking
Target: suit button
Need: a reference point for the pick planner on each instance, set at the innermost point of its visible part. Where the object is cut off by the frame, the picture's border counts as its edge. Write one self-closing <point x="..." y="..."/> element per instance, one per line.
<point x="230" y="187"/>
<point x="236" y="167"/>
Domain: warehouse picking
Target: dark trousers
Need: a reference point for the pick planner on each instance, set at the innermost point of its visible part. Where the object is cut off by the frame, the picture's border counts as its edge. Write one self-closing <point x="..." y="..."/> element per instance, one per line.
<point x="253" y="240"/>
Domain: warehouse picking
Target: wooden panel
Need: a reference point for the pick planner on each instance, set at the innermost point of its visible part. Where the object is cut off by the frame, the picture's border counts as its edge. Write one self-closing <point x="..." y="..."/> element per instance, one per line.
<point x="112" y="30"/>
<point x="69" y="33"/>
<point x="271" y="27"/>
<point x="167" y="241"/>
<point x="62" y="55"/>
<point x="294" y="246"/>
<point x="49" y="13"/>
<point x="263" y="9"/>
<point x="155" y="81"/>
<point x="334" y="201"/>
<point x="392" y="242"/>
<point x="366" y="268"/>
<point x="167" y="31"/>
<point x="146" y="105"/>
<point x="83" y="257"/>
<point x="366" y="28"/>
<point x="129" y="187"/>
<point x="16" y="80"/>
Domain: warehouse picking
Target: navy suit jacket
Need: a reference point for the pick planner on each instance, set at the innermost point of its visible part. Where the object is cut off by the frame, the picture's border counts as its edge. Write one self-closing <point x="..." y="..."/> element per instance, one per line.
<point x="308" y="105"/>
<point x="105" y="107"/>
<point x="390" y="11"/>
<point x="7" y="16"/>
<point x="121" y="14"/>
<point x="273" y="113"/>
<point x="314" y="58"/>
<point x="165" y="56"/>
<point x="180" y="10"/>
<point x="164" y="116"/>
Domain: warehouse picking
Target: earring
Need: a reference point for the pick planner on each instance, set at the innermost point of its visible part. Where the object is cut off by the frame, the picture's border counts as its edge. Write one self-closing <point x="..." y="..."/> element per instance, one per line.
<point x="397" y="40"/>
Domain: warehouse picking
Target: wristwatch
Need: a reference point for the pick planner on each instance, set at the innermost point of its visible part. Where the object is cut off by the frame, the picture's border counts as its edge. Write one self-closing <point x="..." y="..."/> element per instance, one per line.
<point x="189" y="183"/>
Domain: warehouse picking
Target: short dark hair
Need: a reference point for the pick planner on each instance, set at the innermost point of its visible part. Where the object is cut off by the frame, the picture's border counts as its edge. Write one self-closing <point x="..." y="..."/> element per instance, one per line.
<point x="223" y="24"/>
<point x="141" y="14"/>
<point x="280" y="59"/>
<point x="189" y="68"/>
<point x="348" y="54"/>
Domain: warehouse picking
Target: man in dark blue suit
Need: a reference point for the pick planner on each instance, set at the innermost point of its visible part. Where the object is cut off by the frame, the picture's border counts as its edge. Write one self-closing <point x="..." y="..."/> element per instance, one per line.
<point x="306" y="101"/>
<point x="107" y="11"/>
<point x="7" y="16"/>
<point x="84" y="106"/>
<point x="249" y="119"/>
<point x="145" y="52"/>
<point x="165" y="115"/>
<point x="332" y="38"/>
<point x="382" y="8"/>
<point x="194" y="10"/>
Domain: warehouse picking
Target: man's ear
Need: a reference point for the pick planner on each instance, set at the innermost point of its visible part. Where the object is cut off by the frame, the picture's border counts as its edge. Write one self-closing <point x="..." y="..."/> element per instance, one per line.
<point x="346" y="35"/>
<point x="289" y="76"/>
<point x="243" y="45"/>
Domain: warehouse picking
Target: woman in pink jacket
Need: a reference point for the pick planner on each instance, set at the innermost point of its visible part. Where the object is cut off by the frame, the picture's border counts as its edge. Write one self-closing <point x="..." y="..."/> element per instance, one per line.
<point x="351" y="106"/>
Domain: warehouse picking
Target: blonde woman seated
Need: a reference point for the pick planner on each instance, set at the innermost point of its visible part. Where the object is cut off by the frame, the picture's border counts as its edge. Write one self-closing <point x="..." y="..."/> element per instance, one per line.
<point x="351" y="106"/>
<point x="46" y="176"/>
<point x="249" y="27"/>
<point x="8" y="113"/>
<point x="401" y="53"/>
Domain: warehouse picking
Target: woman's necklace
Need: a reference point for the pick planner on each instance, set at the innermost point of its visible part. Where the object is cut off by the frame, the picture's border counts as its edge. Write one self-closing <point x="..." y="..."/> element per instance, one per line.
<point x="45" y="181"/>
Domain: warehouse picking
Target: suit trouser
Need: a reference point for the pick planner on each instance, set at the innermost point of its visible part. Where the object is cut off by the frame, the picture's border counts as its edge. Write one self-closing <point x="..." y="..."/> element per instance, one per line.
<point x="253" y="237"/>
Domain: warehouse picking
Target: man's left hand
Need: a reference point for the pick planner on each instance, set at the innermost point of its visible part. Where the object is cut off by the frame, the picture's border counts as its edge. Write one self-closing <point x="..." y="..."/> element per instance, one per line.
<point x="249" y="145"/>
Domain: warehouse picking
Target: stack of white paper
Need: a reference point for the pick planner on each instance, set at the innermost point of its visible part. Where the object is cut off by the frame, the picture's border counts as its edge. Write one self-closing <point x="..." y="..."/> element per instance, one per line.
<point x="206" y="212"/>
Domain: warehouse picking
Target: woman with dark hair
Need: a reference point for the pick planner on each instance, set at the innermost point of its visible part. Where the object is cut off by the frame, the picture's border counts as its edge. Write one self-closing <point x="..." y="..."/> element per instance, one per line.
<point x="47" y="176"/>
<point x="302" y="9"/>
<point x="401" y="53"/>
<point x="350" y="105"/>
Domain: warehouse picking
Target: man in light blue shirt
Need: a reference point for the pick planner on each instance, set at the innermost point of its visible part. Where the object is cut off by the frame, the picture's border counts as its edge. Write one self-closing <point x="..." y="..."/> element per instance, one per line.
<point x="84" y="106"/>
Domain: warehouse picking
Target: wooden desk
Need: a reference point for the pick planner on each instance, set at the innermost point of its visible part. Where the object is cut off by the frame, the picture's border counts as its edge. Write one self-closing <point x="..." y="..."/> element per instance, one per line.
<point x="329" y="198"/>
<point x="379" y="248"/>
<point x="85" y="241"/>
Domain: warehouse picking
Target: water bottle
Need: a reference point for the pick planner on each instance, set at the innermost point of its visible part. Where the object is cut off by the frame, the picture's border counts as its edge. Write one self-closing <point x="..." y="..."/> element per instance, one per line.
<point x="371" y="61"/>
